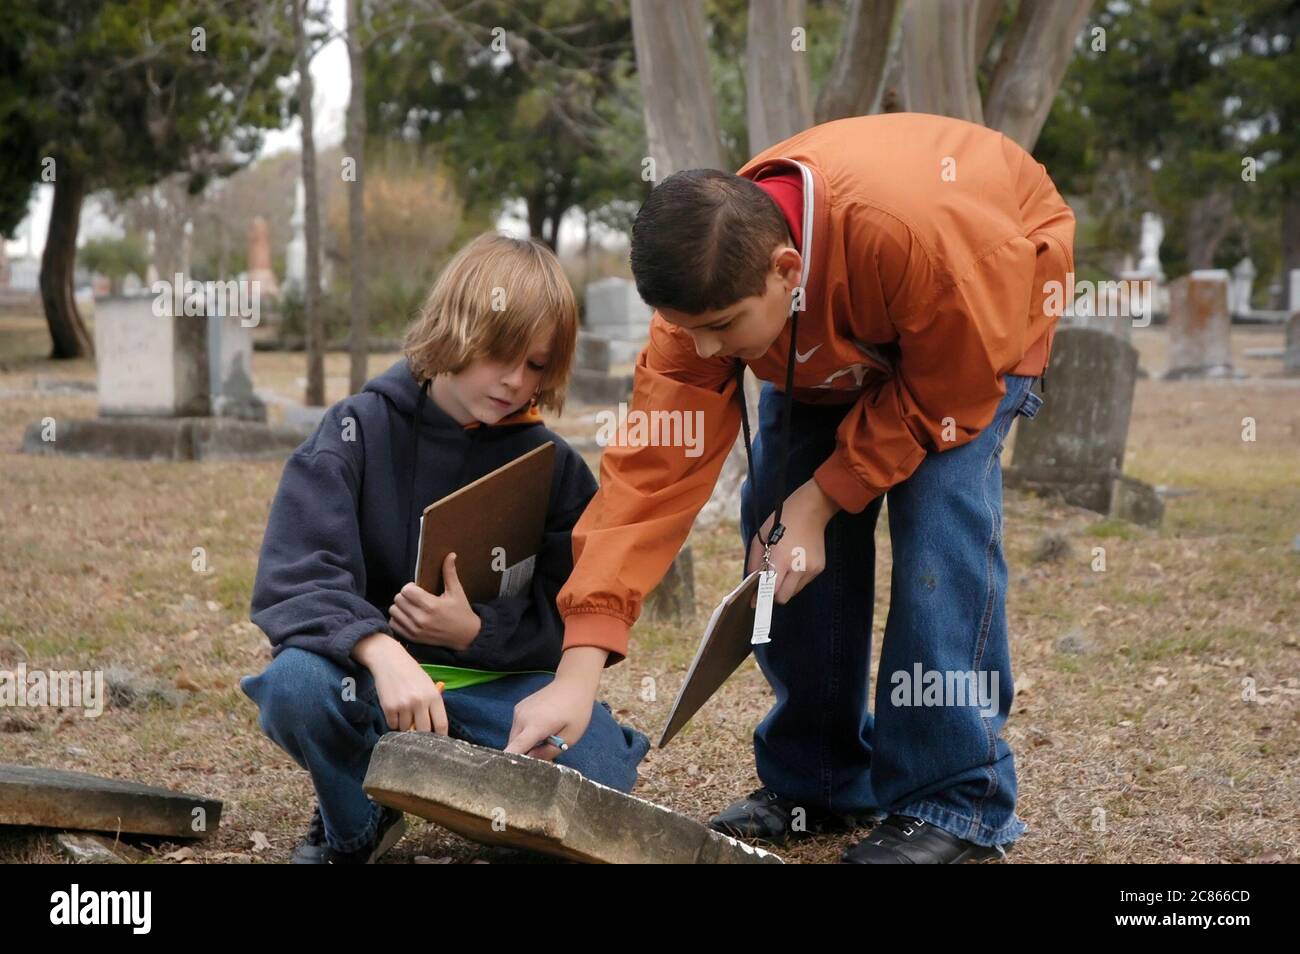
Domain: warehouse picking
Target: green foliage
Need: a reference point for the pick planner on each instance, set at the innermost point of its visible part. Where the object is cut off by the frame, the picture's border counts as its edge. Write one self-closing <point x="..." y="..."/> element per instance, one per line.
<point x="120" y="91"/>
<point x="115" y="258"/>
<point x="1165" y="114"/>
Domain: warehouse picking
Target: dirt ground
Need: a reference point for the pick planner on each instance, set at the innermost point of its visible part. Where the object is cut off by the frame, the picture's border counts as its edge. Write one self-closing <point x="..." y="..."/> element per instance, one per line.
<point x="1170" y="732"/>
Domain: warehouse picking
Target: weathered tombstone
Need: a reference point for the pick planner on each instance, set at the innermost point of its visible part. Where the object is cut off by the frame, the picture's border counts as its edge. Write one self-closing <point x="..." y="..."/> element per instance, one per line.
<point x="148" y="364"/>
<point x="591" y="382"/>
<point x="230" y="369"/>
<point x="54" y="798"/>
<point x="1074" y="447"/>
<point x="497" y="798"/>
<point x="1153" y="233"/>
<point x="159" y="374"/>
<point x="593" y="353"/>
<point x="673" y="600"/>
<point x="1200" y="326"/>
<point x="1291" y="355"/>
<point x="259" y="257"/>
<point x="295" y="255"/>
<point x="615" y="311"/>
<point x="1242" y="287"/>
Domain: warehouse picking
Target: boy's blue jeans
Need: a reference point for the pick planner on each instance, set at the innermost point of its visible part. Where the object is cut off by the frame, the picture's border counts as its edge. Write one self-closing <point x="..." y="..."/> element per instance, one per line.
<point x="304" y="711"/>
<point x="937" y="755"/>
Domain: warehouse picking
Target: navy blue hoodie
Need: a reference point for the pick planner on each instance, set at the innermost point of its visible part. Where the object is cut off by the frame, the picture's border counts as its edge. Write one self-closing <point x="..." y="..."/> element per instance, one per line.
<point x="342" y="535"/>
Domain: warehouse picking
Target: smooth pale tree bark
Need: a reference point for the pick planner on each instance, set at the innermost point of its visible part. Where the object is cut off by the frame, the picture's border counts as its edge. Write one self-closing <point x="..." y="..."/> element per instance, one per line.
<point x="315" y="333"/>
<point x="778" y="97"/>
<point x="857" y="77"/>
<point x="681" y="114"/>
<point x="986" y="23"/>
<point x="58" y="259"/>
<point x="939" y="61"/>
<point x="681" y="117"/>
<point x="355" y="147"/>
<point x="1035" y="53"/>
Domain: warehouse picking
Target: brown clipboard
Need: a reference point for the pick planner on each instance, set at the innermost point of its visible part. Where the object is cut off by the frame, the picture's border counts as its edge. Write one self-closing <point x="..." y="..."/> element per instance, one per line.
<point x="726" y="644"/>
<point x="503" y="509"/>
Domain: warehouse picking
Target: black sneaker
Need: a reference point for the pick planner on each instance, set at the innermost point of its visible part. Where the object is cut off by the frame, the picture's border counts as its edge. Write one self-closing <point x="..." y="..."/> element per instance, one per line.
<point x="903" y="840"/>
<point x="313" y="849"/>
<point x="767" y="816"/>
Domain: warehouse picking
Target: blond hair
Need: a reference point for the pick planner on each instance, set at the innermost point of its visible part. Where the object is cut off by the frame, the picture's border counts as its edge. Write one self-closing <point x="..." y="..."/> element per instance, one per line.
<point x="492" y="300"/>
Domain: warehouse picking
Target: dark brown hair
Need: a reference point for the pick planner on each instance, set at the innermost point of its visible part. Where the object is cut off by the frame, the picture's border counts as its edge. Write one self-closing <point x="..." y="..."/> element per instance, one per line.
<point x="703" y="240"/>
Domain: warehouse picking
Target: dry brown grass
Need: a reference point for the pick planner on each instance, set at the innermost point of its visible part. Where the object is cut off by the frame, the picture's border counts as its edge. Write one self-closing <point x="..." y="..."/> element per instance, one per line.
<point x="1149" y="727"/>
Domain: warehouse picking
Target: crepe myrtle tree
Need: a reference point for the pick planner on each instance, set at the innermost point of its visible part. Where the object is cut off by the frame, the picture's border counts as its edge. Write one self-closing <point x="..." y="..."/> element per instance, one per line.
<point x="117" y="95"/>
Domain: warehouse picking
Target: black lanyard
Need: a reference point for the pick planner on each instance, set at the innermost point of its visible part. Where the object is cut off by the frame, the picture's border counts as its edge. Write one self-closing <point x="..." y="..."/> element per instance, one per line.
<point x="778" y="530"/>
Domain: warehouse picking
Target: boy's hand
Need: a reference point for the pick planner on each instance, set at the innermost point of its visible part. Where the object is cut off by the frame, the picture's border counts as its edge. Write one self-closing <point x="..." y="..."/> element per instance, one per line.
<point x="800" y="554"/>
<point x="448" y="620"/>
<point x="409" y="698"/>
<point x="562" y="707"/>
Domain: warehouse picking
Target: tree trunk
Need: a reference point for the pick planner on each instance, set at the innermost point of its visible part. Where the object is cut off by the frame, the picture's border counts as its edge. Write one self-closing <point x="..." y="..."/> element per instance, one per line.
<point x="1209" y="221"/>
<point x="857" y="76"/>
<point x="1031" y="66"/>
<point x="311" y="298"/>
<point x="1290" y="249"/>
<point x="939" y="38"/>
<point x="779" y="103"/>
<point x="67" y="329"/>
<point x="359" y="346"/>
<point x="681" y="113"/>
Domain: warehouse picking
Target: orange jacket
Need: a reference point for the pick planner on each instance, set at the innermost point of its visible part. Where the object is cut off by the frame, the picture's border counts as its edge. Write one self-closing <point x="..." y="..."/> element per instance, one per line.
<point x="927" y="245"/>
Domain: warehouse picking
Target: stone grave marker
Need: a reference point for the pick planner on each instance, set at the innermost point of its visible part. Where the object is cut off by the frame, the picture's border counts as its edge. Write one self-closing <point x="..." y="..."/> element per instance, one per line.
<point x="54" y="798"/>
<point x="497" y="798"/>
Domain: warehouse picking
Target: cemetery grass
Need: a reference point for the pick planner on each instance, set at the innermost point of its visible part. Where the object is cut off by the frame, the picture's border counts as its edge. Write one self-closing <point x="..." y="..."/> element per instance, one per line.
<point x="1134" y="737"/>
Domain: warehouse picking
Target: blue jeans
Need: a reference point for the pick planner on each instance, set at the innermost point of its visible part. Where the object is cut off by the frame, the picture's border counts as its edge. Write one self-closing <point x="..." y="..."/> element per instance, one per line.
<point x="936" y="756"/>
<point x="303" y="710"/>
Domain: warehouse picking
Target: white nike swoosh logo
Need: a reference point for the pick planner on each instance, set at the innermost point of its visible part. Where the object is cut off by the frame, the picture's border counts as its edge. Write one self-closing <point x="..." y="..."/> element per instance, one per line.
<point x="801" y="358"/>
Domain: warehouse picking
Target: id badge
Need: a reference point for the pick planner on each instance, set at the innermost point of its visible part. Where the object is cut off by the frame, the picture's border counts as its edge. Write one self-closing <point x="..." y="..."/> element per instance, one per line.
<point x="763" y="610"/>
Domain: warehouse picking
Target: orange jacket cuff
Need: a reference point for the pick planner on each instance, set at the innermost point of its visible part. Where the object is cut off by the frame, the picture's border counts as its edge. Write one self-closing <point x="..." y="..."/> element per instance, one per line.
<point x="839" y="483"/>
<point x="596" y="629"/>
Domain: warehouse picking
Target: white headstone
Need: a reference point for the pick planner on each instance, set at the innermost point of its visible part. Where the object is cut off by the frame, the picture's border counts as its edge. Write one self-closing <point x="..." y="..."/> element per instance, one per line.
<point x="1153" y="233"/>
<point x="149" y="365"/>
<point x="615" y="311"/>
<point x="295" y="256"/>
<point x="1243" y="283"/>
<point x="1293" y="303"/>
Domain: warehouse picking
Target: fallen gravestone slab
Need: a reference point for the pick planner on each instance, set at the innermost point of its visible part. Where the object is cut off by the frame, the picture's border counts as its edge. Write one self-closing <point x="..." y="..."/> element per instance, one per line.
<point x="83" y="849"/>
<point x="497" y="798"/>
<point x="54" y="798"/>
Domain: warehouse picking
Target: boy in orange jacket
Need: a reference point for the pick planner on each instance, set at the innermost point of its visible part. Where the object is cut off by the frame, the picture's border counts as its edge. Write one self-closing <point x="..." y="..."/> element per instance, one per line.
<point x="896" y="271"/>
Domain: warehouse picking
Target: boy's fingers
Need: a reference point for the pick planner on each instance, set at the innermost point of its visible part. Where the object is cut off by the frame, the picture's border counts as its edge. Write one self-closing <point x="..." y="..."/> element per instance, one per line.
<point x="423" y="719"/>
<point x="545" y="751"/>
<point x="525" y="737"/>
<point x="449" y="578"/>
<point x="438" y="712"/>
<point x="414" y="597"/>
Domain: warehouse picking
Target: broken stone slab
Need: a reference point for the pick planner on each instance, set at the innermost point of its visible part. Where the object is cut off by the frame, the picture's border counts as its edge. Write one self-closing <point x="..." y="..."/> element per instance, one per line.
<point x="497" y="798"/>
<point x="84" y="849"/>
<point x="162" y="438"/>
<point x="55" y="798"/>
<point x="1136" y="502"/>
